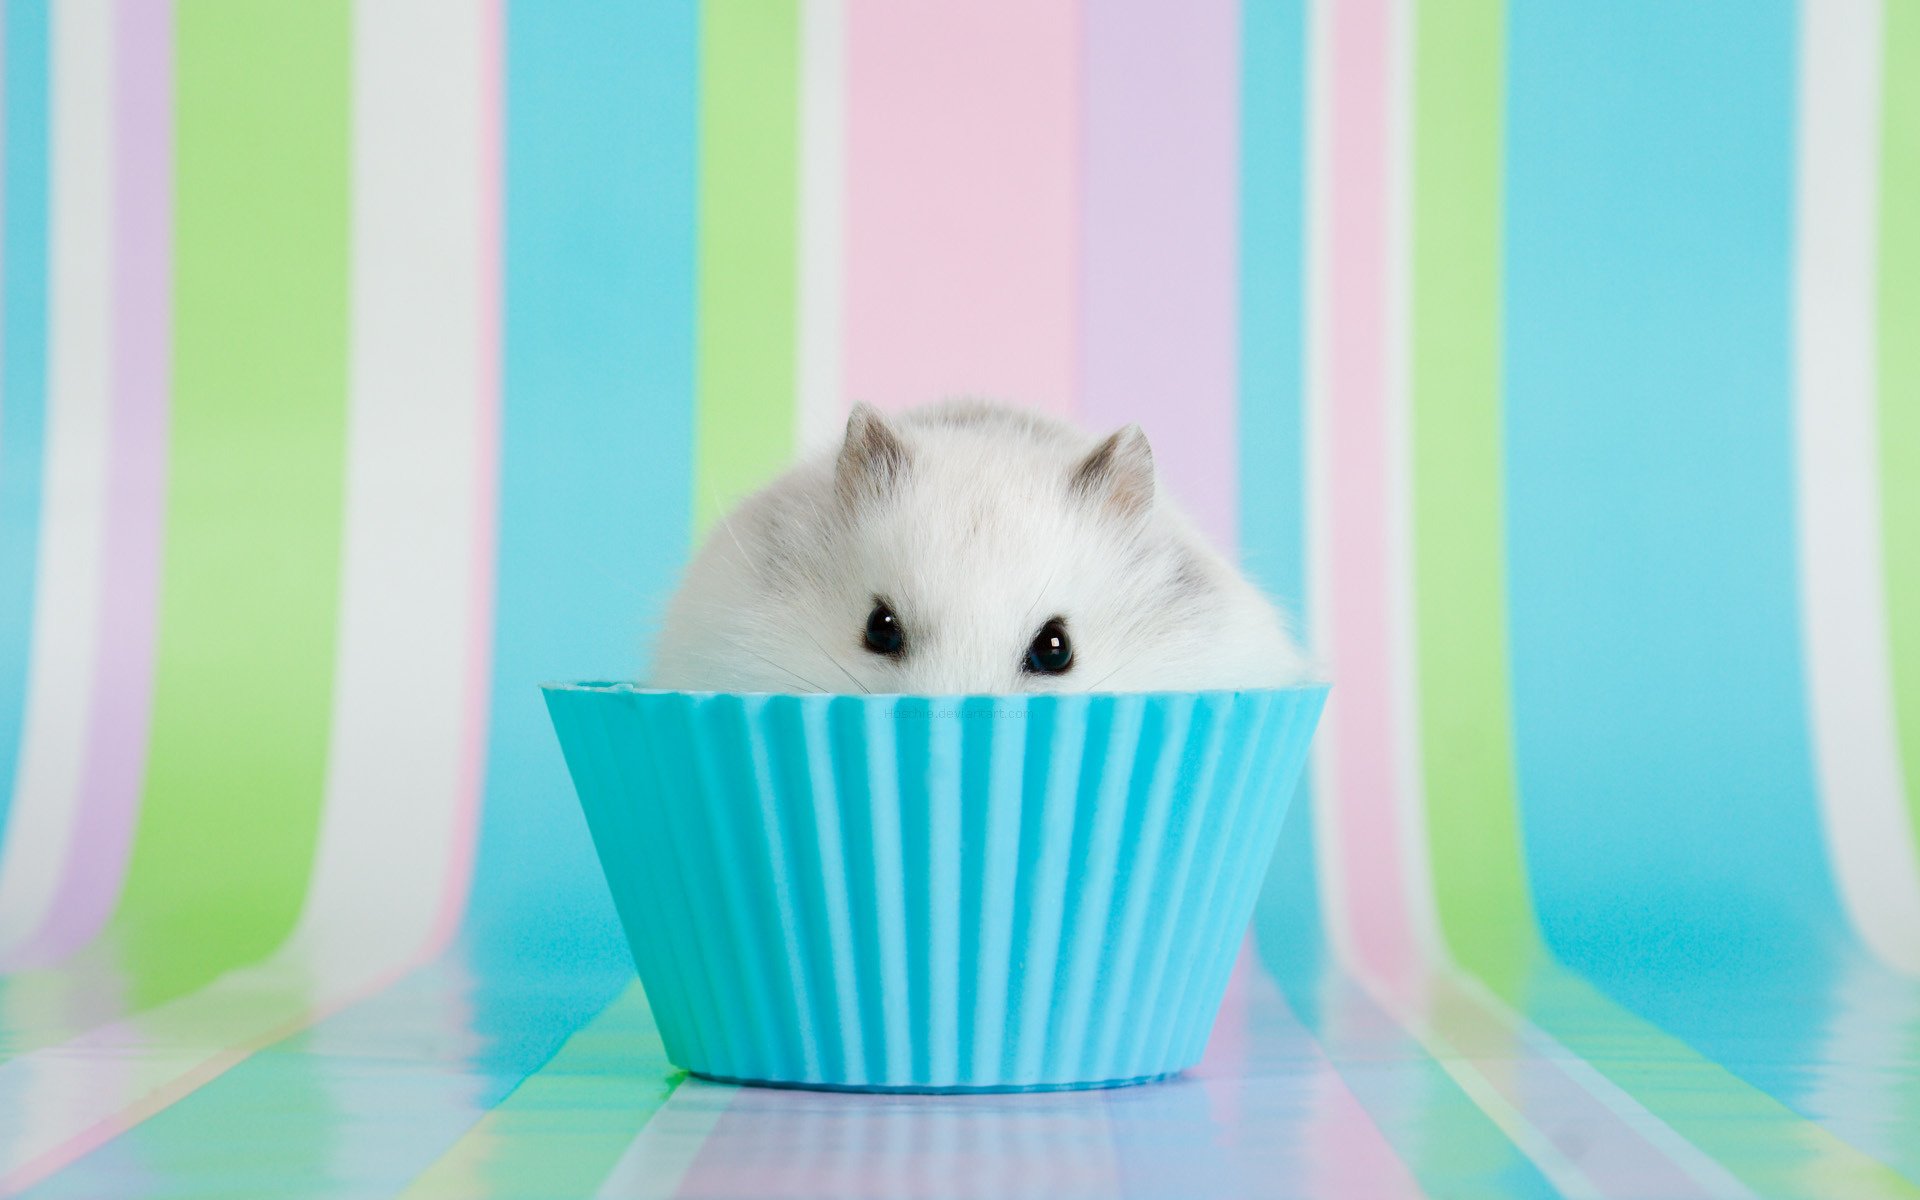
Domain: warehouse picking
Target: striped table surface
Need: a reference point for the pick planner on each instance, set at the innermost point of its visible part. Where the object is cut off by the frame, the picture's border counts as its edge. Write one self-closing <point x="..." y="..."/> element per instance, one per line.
<point x="364" y="365"/>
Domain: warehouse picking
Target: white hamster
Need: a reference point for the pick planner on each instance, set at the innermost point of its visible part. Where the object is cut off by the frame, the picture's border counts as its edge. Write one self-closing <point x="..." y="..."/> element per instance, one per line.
<point x="968" y="548"/>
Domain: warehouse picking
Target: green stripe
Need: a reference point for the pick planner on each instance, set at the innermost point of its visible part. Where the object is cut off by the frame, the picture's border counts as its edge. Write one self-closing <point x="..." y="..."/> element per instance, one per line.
<point x="562" y="1130"/>
<point x="1460" y="553"/>
<point x="1899" y="337"/>
<point x="749" y="103"/>
<point x="244" y="679"/>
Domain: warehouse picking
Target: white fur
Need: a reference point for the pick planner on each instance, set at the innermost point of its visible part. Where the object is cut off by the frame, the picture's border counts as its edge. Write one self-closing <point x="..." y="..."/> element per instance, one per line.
<point x="975" y="542"/>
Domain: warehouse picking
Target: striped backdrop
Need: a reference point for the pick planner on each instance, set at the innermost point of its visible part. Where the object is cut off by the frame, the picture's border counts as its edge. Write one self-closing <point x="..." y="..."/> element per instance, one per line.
<point x="363" y="365"/>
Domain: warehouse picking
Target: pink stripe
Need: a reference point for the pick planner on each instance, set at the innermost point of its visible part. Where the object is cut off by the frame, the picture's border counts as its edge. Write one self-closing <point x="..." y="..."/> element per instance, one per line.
<point x="774" y="1143"/>
<point x="136" y="500"/>
<point x="1229" y="1047"/>
<point x="486" y="499"/>
<point x="1261" y="1086"/>
<point x="1355" y="409"/>
<point x="962" y="131"/>
<point x="1161" y="247"/>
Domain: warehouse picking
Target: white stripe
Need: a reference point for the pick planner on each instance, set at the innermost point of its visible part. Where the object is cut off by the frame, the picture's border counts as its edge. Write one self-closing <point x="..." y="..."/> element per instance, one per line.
<point x="73" y="517"/>
<point x="1410" y="793"/>
<point x="1843" y="594"/>
<point x="1318" y="625"/>
<point x="823" y="187"/>
<point x="416" y="412"/>
<point x="414" y="427"/>
<point x="660" y="1155"/>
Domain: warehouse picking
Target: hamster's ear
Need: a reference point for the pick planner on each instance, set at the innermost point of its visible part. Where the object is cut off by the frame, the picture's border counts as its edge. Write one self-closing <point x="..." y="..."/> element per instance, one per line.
<point x="872" y="459"/>
<point x="1118" y="474"/>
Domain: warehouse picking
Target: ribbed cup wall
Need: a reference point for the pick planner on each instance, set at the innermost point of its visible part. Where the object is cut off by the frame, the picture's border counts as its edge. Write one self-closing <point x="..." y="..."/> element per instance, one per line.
<point x="901" y="892"/>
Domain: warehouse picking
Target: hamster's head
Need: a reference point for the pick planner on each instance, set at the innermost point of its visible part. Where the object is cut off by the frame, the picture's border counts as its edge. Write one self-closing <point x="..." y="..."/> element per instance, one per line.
<point x="967" y="549"/>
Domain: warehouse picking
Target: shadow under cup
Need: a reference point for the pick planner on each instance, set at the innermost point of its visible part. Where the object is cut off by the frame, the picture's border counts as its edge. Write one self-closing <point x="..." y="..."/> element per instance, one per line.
<point x="939" y="894"/>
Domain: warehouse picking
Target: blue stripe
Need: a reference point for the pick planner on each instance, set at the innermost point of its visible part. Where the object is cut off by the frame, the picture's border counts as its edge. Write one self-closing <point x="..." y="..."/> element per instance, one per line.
<point x="597" y="432"/>
<point x="1670" y="815"/>
<point x="23" y="365"/>
<point x="1272" y="467"/>
<point x="1273" y="490"/>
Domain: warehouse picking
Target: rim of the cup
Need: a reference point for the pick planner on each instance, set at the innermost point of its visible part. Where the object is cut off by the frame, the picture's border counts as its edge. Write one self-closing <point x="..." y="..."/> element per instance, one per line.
<point x="628" y="688"/>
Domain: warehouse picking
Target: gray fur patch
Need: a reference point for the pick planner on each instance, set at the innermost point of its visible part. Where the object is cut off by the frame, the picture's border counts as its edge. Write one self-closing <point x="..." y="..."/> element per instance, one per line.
<point x="1119" y="473"/>
<point x="872" y="459"/>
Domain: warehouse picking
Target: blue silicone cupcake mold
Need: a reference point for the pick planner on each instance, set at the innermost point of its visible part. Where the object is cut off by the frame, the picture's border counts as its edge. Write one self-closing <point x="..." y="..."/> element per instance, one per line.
<point x="904" y="893"/>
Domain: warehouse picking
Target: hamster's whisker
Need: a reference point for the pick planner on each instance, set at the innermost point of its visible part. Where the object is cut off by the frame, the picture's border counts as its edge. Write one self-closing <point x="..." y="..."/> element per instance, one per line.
<point x="726" y="523"/>
<point x="830" y="658"/>
<point x="791" y="674"/>
<point x="1110" y="674"/>
<point x="1043" y="593"/>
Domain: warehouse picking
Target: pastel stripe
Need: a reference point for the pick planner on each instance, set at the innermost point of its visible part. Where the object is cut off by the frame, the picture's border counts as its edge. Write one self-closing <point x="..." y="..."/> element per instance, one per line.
<point x="489" y="378"/>
<point x="1449" y="1142"/>
<point x="610" y="1077"/>
<point x="1404" y="749"/>
<point x="23" y="360"/>
<point x="1842" y="585"/>
<point x="190" y="1041"/>
<point x="249" y="597"/>
<point x="406" y="1108"/>
<point x="1898" y="359"/>
<point x="1707" y="696"/>
<point x="1275" y="1068"/>
<point x="962" y="219"/>
<point x="656" y="1162"/>
<point x="1158" y="267"/>
<point x="1473" y="824"/>
<point x="821" y="319"/>
<point x="1293" y="919"/>
<point x="598" y="385"/>
<point x="379" y="877"/>
<point x="1367" y="1130"/>
<point x="1677" y="640"/>
<point x="1480" y="893"/>
<point x="1329" y="930"/>
<point x="1619" y="899"/>
<point x="794" y="1145"/>
<point x="1444" y="61"/>
<point x="599" y="285"/>
<point x="1272" y="408"/>
<point x="1271" y="371"/>
<point x="74" y="497"/>
<point x="1535" y="1090"/>
<point x="748" y="248"/>
<point x="89" y="873"/>
<point x="515" y="990"/>
<point x="1473" y="1034"/>
<point x="1362" y="824"/>
<point x="420" y="414"/>
<point x="1765" y="1145"/>
<point x="1302" y="918"/>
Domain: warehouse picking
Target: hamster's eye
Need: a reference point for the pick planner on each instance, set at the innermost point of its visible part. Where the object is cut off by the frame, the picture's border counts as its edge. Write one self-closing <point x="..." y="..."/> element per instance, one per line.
<point x="1050" y="653"/>
<point x="883" y="630"/>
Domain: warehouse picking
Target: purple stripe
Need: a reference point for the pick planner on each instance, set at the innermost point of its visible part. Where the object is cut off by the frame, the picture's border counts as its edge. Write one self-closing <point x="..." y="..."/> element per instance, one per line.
<point x="1158" y="336"/>
<point x="123" y="669"/>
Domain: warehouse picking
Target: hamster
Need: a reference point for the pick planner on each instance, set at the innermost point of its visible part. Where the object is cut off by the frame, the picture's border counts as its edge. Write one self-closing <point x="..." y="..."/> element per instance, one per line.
<point x="968" y="548"/>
